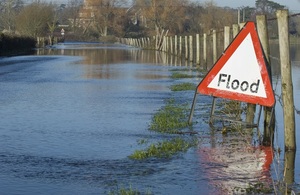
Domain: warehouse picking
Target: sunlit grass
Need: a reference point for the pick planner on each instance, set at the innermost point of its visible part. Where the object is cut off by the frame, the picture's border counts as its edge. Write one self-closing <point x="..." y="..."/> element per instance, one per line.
<point x="128" y="191"/>
<point x="178" y="75"/>
<point x="164" y="149"/>
<point x="183" y="87"/>
<point x="170" y="119"/>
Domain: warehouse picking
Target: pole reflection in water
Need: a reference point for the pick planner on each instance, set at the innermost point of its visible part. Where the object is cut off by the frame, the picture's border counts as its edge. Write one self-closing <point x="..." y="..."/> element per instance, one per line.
<point x="99" y="53"/>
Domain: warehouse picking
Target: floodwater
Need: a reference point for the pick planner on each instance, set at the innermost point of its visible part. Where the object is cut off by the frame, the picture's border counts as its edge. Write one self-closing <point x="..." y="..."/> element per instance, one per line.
<point x="72" y="114"/>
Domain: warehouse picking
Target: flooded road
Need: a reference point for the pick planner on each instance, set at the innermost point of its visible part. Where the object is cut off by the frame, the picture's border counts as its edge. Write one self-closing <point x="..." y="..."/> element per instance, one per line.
<point x="69" y="123"/>
<point x="71" y="115"/>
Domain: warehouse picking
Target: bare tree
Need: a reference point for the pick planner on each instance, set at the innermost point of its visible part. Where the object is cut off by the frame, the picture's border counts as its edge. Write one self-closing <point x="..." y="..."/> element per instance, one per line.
<point x="102" y="15"/>
<point x="164" y="14"/>
<point x="72" y="13"/>
<point x="35" y="18"/>
<point x="208" y="16"/>
<point x="8" y="13"/>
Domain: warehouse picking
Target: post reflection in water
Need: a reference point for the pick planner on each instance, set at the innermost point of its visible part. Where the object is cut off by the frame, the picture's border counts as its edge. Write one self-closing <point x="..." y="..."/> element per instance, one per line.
<point x="233" y="165"/>
<point x="103" y="54"/>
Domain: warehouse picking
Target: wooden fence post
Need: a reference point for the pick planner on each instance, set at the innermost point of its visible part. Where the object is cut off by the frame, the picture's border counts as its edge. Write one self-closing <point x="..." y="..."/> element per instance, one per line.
<point x="269" y="118"/>
<point x="175" y="45"/>
<point x="214" y="34"/>
<point x="251" y="108"/>
<point x="171" y="45"/>
<point x="180" y="46"/>
<point x="191" y="49"/>
<point x="235" y="30"/>
<point x="286" y="81"/>
<point x="186" y="47"/>
<point x="205" y="51"/>
<point x="241" y="25"/>
<point x="166" y="44"/>
<point x="289" y="167"/>
<point x="163" y="43"/>
<point x="197" y="49"/>
<point x="226" y="36"/>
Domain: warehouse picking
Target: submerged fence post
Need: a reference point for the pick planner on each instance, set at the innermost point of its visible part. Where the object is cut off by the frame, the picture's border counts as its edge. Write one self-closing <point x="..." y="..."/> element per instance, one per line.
<point x="286" y="81"/>
<point x="269" y="118"/>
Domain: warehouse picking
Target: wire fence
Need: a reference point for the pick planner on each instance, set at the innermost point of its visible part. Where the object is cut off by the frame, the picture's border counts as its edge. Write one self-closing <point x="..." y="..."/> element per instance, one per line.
<point x="204" y="50"/>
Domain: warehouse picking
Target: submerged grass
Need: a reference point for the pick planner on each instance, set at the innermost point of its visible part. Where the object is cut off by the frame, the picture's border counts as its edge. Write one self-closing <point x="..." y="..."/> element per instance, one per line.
<point x="183" y="87"/>
<point x="178" y="75"/>
<point x="259" y="188"/>
<point x="164" y="149"/>
<point x="127" y="191"/>
<point x="233" y="110"/>
<point x="170" y="119"/>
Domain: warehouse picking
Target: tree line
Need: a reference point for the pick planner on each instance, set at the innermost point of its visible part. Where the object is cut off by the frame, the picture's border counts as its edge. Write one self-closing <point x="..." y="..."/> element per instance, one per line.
<point x="94" y="19"/>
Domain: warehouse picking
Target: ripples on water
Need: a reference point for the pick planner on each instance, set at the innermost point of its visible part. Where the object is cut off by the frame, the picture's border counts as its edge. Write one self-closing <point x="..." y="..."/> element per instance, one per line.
<point x="69" y="122"/>
<point x="67" y="127"/>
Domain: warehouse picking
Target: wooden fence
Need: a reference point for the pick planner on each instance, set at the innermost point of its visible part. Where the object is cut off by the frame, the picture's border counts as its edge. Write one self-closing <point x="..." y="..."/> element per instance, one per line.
<point x="48" y="41"/>
<point x="200" y="49"/>
<point x="203" y="50"/>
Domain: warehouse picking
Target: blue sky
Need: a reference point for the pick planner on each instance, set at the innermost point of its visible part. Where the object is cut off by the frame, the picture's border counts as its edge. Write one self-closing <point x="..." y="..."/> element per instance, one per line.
<point x="293" y="5"/>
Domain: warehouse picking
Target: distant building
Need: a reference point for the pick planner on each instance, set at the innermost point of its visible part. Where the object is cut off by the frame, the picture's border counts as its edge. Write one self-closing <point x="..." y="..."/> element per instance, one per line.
<point x="92" y="8"/>
<point x="87" y="13"/>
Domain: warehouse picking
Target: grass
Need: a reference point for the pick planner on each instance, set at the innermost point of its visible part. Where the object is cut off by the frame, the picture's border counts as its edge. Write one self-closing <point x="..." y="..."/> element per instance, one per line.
<point x="177" y="75"/>
<point x="127" y="191"/>
<point x="165" y="149"/>
<point x="234" y="110"/>
<point x="180" y="69"/>
<point x="170" y="119"/>
<point x="259" y="188"/>
<point x="183" y="87"/>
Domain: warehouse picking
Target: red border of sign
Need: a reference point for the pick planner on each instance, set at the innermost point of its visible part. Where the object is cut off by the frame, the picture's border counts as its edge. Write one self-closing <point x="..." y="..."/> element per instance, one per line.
<point x="203" y="85"/>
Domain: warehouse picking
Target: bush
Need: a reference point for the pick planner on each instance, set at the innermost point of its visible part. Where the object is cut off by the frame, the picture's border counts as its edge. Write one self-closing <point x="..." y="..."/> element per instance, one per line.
<point x="14" y="43"/>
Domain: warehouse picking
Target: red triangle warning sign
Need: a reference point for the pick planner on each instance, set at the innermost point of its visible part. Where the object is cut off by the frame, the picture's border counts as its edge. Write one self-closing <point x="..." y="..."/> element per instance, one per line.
<point x="241" y="73"/>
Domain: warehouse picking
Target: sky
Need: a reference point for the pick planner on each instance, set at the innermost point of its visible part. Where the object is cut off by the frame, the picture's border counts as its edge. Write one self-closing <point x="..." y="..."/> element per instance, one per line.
<point x="292" y="5"/>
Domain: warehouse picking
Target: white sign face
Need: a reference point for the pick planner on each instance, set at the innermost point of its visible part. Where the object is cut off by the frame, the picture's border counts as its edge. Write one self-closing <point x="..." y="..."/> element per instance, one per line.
<point x="241" y="73"/>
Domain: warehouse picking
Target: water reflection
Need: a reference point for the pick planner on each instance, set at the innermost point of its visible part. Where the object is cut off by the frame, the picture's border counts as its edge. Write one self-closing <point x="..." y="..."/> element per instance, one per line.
<point x="67" y="128"/>
<point x="230" y="165"/>
<point x="104" y="54"/>
<point x="275" y="61"/>
<point x="234" y="166"/>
